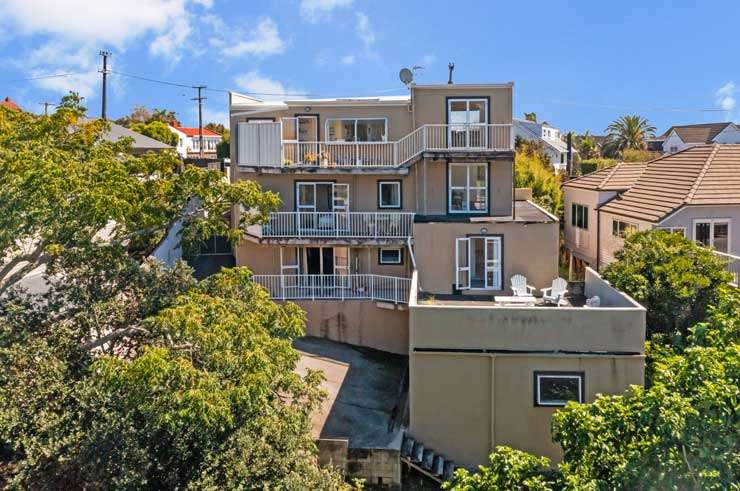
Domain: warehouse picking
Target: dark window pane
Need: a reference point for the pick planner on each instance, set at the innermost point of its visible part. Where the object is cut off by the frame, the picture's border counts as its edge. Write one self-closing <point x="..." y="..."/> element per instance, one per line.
<point x="701" y="234"/>
<point x="559" y="390"/>
<point x="573" y="214"/>
<point x="720" y="237"/>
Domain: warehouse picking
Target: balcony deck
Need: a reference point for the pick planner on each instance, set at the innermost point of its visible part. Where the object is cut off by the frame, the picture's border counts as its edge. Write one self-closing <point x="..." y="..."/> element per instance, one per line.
<point x="263" y="146"/>
<point x="374" y="287"/>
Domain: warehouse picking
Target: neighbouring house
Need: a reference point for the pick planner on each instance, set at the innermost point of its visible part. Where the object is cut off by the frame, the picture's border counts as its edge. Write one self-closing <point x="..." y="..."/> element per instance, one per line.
<point x="553" y="146"/>
<point x="400" y="230"/>
<point x="694" y="192"/>
<point x="678" y="138"/>
<point x="582" y="198"/>
<point x="9" y="104"/>
<point x="188" y="144"/>
<point x="141" y="143"/>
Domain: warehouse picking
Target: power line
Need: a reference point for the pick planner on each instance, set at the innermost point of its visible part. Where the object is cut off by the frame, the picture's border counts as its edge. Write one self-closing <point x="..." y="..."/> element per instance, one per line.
<point x="56" y="75"/>
<point x="627" y="108"/>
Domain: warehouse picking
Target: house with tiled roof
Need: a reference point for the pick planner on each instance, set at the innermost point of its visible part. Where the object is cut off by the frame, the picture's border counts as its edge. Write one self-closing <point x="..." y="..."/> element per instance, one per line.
<point x="677" y="138"/>
<point x="9" y="104"/>
<point x="188" y="144"/>
<point x="582" y="198"/>
<point x="694" y="192"/>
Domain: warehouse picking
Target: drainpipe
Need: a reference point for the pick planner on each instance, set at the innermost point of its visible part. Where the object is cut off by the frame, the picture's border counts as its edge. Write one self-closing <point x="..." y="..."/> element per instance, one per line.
<point x="598" y="238"/>
<point x="513" y="189"/>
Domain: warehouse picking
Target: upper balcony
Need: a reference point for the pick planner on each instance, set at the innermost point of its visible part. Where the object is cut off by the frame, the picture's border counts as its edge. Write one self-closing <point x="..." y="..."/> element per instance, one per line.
<point x="264" y="144"/>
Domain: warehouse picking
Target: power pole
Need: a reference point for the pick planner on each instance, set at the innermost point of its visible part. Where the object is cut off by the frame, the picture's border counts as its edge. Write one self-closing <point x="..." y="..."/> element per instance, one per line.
<point x="104" y="71"/>
<point x="200" y="100"/>
<point x="46" y="107"/>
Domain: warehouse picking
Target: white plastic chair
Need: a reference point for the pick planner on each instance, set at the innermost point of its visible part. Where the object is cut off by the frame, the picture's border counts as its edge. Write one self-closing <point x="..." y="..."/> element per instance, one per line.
<point x="519" y="286"/>
<point x="556" y="291"/>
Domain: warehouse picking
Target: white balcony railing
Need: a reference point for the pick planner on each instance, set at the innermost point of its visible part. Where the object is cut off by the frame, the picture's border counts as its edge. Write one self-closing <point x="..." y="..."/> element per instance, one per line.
<point x="264" y="147"/>
<point x="336" y="287"/>
<point x="373" y="225"/>
<point x="732" y="266"/>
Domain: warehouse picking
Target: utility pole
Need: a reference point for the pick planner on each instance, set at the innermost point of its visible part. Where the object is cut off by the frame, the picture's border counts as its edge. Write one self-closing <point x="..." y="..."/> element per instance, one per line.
<point x="104" y="71"/>
<point x="46" y="107"/>
<point x="200" y="100"/>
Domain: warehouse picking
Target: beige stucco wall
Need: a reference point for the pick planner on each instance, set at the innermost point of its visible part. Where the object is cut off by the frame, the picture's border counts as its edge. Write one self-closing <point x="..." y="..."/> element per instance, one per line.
<point x="464" y="405"/>
<point x="528" y="249"/>
<point x="583" y="243"/>
<point x="358" y="322"/>
<point x="430" y="104"/>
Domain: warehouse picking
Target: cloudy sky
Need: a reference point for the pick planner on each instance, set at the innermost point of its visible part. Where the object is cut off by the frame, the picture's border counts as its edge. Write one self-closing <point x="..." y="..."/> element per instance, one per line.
<point x="575" y="64"/>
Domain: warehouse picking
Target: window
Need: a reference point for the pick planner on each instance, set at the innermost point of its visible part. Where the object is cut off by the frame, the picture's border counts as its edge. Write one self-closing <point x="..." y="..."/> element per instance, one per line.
<point x="557" y="388"/>
<point x="468" y="188"/>
<point x="389" y="194"/>
<point x="478" y="263"/>
<point x="673" y="149"/>
<point x="622" y="229"/>
<point x="675" y="230"/>
<point x="466" y="119"/>
<point x="579" y="216"/>
<point x="357" y="129"/>
<point x="713" y="233"/>
<point x="390" y="256"/>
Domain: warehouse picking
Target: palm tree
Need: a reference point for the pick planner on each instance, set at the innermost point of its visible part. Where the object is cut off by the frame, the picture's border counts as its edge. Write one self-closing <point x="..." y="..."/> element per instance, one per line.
<point x="627" y="132"/>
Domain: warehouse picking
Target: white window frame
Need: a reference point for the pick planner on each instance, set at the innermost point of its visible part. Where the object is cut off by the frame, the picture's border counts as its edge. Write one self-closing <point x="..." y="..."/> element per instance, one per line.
<point x="558" y="375"/>
<point x="629" y="225"/>
<point x="673" y="230"/>
<point x="453" y="126"/>
<point x="380" y="194"/>
<point x="329" y="120"/>
<point x="338" y="203"/>
<point x="384" y="262"/>
<point x="467" y="188"/>
<point x="491" y="264"/>
<point x="712" y="222"/>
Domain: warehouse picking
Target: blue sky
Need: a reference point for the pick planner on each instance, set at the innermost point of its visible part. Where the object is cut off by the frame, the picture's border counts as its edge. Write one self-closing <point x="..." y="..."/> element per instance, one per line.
<point x="576" y="64"/>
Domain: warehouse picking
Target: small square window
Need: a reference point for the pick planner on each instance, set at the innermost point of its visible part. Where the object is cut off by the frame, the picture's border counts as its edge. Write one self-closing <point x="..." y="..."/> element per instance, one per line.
<point x="389" y="194"/>
<point x="390" y="256"/>
<point x="558" y="388"/>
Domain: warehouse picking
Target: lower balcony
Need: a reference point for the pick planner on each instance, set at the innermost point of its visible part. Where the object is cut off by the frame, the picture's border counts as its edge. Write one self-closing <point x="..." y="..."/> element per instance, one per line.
<point x="336" y="225"/>
<point x="336" y="287"/>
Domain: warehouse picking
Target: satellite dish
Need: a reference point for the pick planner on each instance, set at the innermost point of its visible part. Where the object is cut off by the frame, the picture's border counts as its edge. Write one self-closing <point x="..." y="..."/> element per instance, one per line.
<point x="406" y="76"/>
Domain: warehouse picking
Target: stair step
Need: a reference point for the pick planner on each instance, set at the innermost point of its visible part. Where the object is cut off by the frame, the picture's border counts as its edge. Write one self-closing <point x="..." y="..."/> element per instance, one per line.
<point x="427" y="459"/>
<point x="438" y="467"/>
<point x="418" y="453"/>
<point x="449" y="469"/>
<point x="408" y="446"/>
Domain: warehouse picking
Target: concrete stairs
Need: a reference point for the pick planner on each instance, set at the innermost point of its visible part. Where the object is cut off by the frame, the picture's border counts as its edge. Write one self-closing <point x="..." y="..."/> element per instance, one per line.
<point x="426" y="460"/>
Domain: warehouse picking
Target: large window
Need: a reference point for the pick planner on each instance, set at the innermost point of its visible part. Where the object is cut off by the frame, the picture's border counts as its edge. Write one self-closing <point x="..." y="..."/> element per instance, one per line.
<point x="713" y="233"/>
<point x="622" y="229"/>
<point x="390" y="256"/>
<point x="466" y="119"/>
<point x="389" y="194"/>
<point x="557" y="388"/>
<point x="357" y="129"/>
<point x="579" y="216"/>
<point x="478" y="263"/>
<point x="468" y="188"/>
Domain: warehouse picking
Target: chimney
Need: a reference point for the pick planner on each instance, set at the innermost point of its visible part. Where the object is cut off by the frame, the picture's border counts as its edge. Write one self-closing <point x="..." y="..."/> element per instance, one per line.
<point x="450" y="67"/>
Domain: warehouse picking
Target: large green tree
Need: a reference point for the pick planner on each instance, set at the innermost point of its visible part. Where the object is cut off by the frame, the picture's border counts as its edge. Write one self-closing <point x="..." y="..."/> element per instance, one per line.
<point x="63" y="187"/>
<point x="157" y="130"/>
<point x="533" y="170"/>
<point x="627" y="132"/>
<point x="672" y="277"/>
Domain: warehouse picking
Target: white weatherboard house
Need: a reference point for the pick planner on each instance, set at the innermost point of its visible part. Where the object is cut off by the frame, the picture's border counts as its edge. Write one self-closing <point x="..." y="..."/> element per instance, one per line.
<point x="553" y="146"/>
<point x="678" y="138"/>
<point x="188" y="143"/>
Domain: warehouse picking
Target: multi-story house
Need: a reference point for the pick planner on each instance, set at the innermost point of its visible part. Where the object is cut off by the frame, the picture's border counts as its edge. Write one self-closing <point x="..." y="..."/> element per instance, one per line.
<point x="677" y="138"/>
<point x="188" y="143"/>
<point x="694" y="192"/>
<point x="400" y="229"/>
<point x="549" y="137"/>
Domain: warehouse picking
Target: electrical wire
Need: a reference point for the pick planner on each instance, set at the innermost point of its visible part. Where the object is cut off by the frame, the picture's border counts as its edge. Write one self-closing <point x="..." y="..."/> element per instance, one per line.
<point x="56" y="75"/>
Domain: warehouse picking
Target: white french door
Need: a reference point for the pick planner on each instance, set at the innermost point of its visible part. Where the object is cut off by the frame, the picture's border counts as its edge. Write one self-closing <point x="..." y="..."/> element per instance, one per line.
<point x="467" y="123"/>
<point x="478" y="263"/>
<point x="324" y="205"/>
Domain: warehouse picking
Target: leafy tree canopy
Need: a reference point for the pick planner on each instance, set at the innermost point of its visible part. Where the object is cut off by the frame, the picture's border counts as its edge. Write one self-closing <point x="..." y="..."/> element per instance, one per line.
<point x="627" y="132"/>
<point x="531" y="170"/>
<point x="157" y="130"/>
<point x="672" y="277"/>
<point x="140" y="114"/>
<point x="64" y="188"/>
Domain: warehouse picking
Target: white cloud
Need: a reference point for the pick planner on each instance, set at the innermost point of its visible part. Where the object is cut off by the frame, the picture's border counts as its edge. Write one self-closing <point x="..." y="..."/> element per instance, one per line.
<point x="348" y="60"/>
<point x="212" y="116"/>
<point x="169" y="44"/>
<point x="264" y="87"/>
<point x="726" y="97"/>
<point x="365" y="30"/>
<point x="55" y="58"/>
<point x="264" y="40"/>
<point x="314" y="10"/>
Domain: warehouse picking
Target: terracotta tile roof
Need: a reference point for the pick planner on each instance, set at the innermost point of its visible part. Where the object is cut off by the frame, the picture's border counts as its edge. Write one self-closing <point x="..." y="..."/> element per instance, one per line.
<point x="7" y="102"/>
<point x="194" y="131"/>
<point x="618" y="177"/>
<point x="697" y="133"/>
<point x="700" y="175"/>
